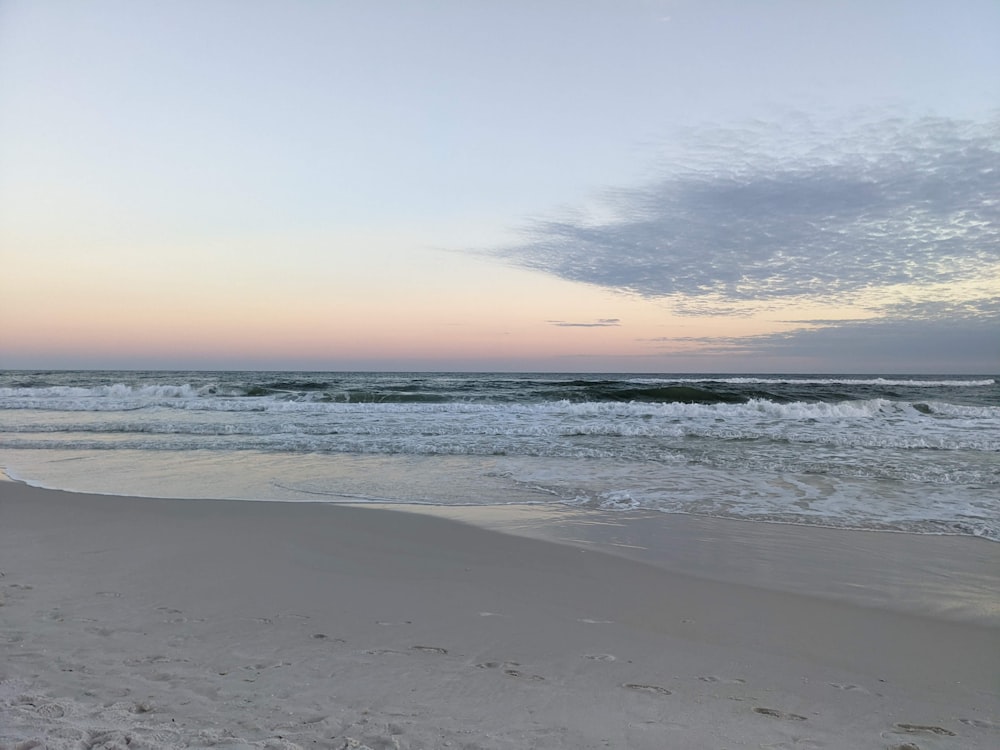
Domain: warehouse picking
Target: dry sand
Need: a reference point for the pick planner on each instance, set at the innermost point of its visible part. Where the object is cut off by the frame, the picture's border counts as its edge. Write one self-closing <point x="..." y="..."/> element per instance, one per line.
<point x="169" y="623"/>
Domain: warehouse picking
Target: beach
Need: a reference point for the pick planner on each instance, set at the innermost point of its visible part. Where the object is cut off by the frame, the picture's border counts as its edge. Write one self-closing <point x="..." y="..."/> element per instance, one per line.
<point x="137" y="622"/>
<point x="499" y="376"/>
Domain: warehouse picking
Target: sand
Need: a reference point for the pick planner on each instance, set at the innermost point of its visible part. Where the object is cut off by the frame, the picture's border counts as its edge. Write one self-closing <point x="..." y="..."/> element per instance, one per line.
<point x="144" y="623"/>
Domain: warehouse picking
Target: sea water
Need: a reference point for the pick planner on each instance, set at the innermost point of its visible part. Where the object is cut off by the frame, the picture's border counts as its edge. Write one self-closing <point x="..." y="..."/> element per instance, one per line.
<point x="897" y="453"/>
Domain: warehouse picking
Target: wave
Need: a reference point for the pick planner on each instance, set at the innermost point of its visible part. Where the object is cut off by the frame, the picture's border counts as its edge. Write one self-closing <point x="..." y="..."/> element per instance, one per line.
<point x="659" y="402"/>
<point x="888" y="382"/>
<point x="680" y="394"/>
<point x="384" y="389"/>
<point x="509" y="433"/>
<point x="118" y="390"/>
<point x="829" y="460"/>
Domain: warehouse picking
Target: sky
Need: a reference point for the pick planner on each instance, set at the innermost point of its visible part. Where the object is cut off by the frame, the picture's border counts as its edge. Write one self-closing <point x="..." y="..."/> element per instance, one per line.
<point x="536" y="185"/>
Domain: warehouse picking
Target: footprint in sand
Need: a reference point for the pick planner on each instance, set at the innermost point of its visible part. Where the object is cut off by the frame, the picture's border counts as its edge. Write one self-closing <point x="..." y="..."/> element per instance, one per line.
<point x="325" y="637"/>
<point x="980" y="723"/>
<point x="654" y="689"/>
<point x="853" y="688"/>
<point x="176" y="616"/>
<point x="800" y="743"/>
<point x="723" y="680"/>
<point x="314" y="719"/>
<point x="510" y="672"/>
<point x="104" y="740"/>
<point x="51" y="711"/>
<point x="925" y="729"/>
<point x="139" y="661"/>
<point x="600" y="657"/>
<point x="510" y="668"/>
<point x="70" y="666"/>
<point x="262" y="666"/>
<point x="38" y="706"/>
<point x="292" y="616"/>
<point x="775" y="714"/>
<point x="430" y="649"/>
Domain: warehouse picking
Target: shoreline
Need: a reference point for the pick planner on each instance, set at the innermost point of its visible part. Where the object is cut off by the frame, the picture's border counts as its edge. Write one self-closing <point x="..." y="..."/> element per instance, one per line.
<point x="269" y="624"/>
<point x="946" y="576"/>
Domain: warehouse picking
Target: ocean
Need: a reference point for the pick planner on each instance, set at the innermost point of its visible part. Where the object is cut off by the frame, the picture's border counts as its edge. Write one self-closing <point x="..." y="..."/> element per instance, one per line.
<point x="893" y="453"/>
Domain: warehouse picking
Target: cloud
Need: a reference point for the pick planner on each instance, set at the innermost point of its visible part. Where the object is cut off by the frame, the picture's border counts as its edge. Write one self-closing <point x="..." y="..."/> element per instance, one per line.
<point x="968" y="344"/>
<point x="601" y="323"/>
<point x="767" y="213"/>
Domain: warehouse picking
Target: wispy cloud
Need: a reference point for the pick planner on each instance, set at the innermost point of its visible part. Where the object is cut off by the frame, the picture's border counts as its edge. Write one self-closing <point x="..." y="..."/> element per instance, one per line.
<point x="767" y="213"/>
<point x="601" y="323"/>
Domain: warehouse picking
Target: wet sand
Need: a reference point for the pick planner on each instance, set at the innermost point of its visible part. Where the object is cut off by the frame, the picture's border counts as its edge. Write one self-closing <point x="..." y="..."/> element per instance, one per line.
<point x="175" y="623"/>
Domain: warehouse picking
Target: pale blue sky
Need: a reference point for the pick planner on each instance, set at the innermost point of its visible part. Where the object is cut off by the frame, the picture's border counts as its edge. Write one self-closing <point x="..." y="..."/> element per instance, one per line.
<point x="248" y="169"/>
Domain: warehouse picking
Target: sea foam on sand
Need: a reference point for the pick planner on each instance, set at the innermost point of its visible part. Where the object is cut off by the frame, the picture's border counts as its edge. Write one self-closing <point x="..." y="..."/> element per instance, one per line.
<point x="138" y="623"/>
